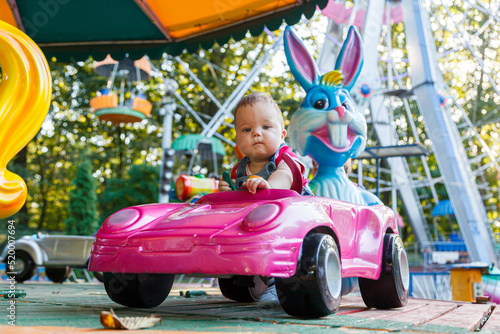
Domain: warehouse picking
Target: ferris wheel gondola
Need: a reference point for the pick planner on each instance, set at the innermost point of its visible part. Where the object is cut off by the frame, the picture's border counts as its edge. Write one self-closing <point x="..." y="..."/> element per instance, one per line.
<point x="110" y="103"/>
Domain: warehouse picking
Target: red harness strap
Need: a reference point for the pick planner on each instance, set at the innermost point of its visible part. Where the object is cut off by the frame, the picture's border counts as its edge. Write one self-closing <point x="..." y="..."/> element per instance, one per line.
<point x="296" y="174"/>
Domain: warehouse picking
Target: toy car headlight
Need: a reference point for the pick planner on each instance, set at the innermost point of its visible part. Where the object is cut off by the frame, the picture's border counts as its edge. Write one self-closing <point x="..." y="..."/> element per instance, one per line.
<point x="262" y="217"/>
<point x="122" y="219"/>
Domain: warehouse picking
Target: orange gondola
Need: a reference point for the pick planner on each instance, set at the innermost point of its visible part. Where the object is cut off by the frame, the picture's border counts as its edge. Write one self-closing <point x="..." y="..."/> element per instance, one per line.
<point x="107" y="105"/>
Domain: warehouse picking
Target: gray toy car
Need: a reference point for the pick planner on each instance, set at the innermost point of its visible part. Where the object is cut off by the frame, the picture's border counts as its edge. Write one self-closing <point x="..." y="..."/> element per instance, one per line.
<point x="57" y="253"/>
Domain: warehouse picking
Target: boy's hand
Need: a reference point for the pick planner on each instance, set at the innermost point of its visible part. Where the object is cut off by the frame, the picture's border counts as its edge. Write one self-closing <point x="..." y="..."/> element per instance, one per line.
<point x="254" y="182"/>
<point x="224" y="186"/>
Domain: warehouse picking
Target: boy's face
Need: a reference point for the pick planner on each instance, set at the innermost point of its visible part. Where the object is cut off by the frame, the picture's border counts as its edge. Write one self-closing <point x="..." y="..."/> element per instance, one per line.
<point x="259" y="131"/>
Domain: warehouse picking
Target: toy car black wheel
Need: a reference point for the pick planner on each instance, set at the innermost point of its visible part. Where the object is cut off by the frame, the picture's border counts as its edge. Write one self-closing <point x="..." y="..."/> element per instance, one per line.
<point x="99" y="276"/>
<point x="242" y="288"/>
<point x="391" y="289"/>
<point x="315" y="289"/>
<point x="138" y="290"/>
<point x="24" y="266"/>
<point x="58" y="274"/>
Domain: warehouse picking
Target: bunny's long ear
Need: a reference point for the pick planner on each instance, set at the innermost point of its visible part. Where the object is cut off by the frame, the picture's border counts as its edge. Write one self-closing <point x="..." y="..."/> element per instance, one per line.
<point x="300" y="61"/>
<point x="350" y="59"/>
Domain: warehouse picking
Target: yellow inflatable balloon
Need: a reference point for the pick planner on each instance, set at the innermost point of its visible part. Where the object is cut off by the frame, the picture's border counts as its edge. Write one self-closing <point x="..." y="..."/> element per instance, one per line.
<point x="25" y="95"/>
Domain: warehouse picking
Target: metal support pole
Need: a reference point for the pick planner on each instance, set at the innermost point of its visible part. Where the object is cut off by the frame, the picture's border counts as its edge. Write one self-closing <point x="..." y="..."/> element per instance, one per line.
<point x="394" y="196"/>
<point x="166" y="141"/>
<point x="168" y="153"/>
<point x="448" y="149"/>
<point x="378" y="177"/>
<point x="166" y="170"/>
<point x="198" y="81"/>
<point x="384" y="129"/>
<point x="198" y="118"/>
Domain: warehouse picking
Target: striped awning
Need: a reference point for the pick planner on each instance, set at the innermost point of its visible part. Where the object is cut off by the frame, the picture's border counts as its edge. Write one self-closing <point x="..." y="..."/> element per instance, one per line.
<point x="79" y="28"/>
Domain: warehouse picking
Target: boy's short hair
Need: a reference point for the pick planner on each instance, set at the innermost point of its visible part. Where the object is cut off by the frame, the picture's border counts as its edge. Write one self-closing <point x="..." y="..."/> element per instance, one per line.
<point x="259" y="97"/>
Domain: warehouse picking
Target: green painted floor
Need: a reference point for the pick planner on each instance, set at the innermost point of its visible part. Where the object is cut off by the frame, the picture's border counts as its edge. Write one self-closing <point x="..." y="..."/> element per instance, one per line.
<point x="79" y="305"/>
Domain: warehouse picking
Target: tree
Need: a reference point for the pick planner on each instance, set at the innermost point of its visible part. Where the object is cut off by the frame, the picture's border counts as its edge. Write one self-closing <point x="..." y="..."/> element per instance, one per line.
<point x="82" y="206"/>
<point x="140" y="186"/>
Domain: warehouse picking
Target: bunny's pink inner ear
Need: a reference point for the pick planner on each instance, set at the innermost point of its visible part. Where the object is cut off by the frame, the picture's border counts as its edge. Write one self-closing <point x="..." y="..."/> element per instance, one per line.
<point x="352" y="59"/>
<point x="306" y="72"/>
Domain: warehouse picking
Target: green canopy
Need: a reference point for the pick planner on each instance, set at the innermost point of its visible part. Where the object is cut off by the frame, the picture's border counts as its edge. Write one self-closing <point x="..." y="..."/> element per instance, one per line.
<point x="186" y="144"/>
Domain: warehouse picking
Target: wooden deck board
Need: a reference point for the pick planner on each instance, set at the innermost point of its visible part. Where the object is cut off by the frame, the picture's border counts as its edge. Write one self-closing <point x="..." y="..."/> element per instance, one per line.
<point x="466" y="316"/>
<point x="493" y="323"/>
<point x="423" y="314"/>
<point x="394" y="313"/>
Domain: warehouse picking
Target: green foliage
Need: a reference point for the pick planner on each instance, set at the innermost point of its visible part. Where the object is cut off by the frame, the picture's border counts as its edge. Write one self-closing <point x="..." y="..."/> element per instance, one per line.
<point x="82" y="201"/>
<point x="140" y="186"/>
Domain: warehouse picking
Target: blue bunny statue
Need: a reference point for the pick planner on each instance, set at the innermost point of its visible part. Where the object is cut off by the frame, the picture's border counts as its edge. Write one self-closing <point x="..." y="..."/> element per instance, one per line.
<point x="327" y="126"/>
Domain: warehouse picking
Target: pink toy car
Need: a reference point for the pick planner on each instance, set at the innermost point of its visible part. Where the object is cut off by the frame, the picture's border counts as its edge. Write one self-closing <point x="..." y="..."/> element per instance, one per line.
<point x="307" y="243"/>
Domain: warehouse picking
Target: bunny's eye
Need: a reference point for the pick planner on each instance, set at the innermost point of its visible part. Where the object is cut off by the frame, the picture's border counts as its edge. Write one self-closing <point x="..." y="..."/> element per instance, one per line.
<point x="319" y="100"/>
<point x="320" y="104"/>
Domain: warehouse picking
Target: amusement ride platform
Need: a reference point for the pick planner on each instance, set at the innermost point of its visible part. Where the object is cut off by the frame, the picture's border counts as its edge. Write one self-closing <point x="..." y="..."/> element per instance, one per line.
<point x="75" y="308"/>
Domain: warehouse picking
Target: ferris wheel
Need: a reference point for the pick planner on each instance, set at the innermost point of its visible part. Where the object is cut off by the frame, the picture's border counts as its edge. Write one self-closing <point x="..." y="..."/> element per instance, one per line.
<point x="429" y="80"/>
